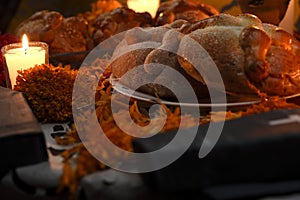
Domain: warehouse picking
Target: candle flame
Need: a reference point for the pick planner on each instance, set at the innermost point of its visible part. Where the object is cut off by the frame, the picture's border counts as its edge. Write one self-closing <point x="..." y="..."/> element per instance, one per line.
<point x="25" y="42"/>
<point x="144" y="6"/>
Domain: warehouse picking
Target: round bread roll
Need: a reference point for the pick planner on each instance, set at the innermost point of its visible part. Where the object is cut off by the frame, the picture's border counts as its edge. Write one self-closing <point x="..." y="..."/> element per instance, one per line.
<point x="119" y="20"/>
<point x="150" y="56"/>
<point x="63" y="35"/>
<point x="189" y="10"/>
<point x="251" y="56"/>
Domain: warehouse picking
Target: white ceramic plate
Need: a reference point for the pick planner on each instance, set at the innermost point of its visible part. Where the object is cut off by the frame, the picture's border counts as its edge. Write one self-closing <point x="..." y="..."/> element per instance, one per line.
<point x="232" y="102"/>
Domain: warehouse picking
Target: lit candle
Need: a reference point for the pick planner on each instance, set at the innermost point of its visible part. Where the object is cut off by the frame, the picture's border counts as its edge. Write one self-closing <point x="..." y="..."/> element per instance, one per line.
<point x="149" y="6"/>
<point x="20" y="56"/>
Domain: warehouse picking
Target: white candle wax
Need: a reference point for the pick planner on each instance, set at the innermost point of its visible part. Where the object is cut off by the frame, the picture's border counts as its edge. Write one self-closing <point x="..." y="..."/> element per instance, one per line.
<point x="17" y="58"/>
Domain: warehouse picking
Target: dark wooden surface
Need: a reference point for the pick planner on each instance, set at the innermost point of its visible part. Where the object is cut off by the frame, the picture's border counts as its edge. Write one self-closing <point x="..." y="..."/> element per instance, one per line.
<point x="21" y="137"/>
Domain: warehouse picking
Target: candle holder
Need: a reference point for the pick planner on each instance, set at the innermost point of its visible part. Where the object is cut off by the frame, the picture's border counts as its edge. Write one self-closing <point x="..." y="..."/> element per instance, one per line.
<point x="16" y="58"/>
